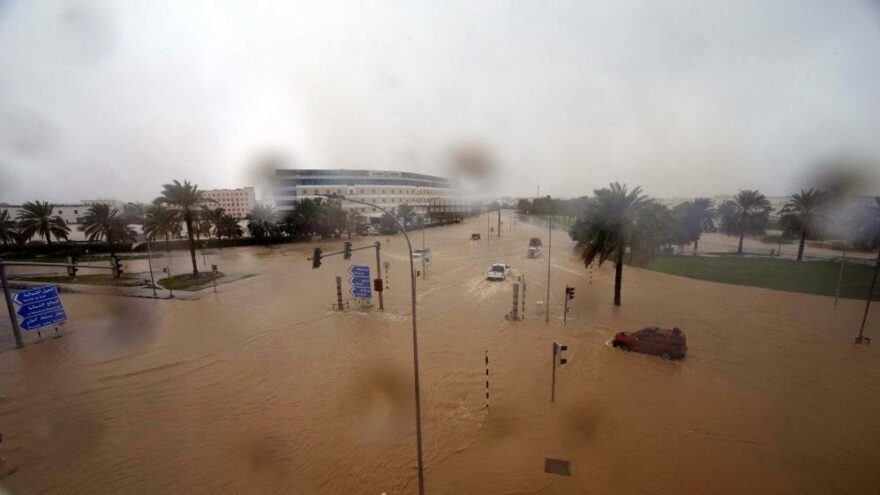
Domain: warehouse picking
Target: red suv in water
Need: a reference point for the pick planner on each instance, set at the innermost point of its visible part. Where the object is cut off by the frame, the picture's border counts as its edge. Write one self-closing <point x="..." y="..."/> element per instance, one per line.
<point x="670" y="344"/>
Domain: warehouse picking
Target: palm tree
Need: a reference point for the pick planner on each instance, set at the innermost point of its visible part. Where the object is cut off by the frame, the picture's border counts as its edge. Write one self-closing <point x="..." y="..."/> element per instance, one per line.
<point x="7" y="227"/>
<point x="696" y="217"/>
<point x="103" y="222"/>
<point x="213" y="216"/>
<point x="748" y="213"/>
<point x="610" y="223"/>
<point x="161" y="222"/>
<point x="803" y="212"/>
<point x="36" y="218"/>
<point x="186" y="199"/>
<point x="262" y="221"/>
<point x="228" y="226"/>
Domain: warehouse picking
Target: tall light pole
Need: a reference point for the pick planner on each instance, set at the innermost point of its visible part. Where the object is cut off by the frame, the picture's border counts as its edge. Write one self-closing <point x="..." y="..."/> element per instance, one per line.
<point x="861" y="338"/>
<point x="549" y="250"/>
<point x="412" y="281"/>
<point x="140" y="210"/>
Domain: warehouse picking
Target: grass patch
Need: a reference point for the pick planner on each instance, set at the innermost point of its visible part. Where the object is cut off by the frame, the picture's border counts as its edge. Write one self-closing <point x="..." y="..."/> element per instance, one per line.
<point x="188" y="282"/>
<point x="99" y="279"/>
<point x="810" y="277"/>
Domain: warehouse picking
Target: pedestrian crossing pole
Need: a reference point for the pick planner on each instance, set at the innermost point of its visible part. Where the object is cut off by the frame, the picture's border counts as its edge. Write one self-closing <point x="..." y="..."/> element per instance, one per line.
<point x="487" y="379"/>
<point x="339" y="293"/>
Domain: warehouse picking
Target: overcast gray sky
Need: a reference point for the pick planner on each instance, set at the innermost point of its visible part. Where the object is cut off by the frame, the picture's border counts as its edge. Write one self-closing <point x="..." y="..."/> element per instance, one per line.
<point x="111" y="99"/>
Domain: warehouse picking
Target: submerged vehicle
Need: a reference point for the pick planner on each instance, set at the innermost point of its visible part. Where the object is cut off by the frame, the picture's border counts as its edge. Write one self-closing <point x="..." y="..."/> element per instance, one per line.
<point x="535" y="242"/>
<point x="533" y="252"/>
<point x="670" y="344"/>
<point x="475" y="237"/>
<point x="422" y="253"/>
<point x="498" y="271"/>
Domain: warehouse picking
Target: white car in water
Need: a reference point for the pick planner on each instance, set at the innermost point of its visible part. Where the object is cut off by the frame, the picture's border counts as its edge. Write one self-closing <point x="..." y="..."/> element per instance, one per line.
<point x="498" y="271"/>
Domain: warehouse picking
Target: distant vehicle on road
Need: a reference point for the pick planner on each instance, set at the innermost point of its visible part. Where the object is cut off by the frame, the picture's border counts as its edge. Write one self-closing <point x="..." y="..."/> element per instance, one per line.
<point x="535" y="242"/>
<point x="533" y="252"/>
<point x="372" y="230"/>
<point x="419" y="253"/>
<point x="475" y="237"/>
<point x="670" y="344"/>
<point x="498" y="271"/>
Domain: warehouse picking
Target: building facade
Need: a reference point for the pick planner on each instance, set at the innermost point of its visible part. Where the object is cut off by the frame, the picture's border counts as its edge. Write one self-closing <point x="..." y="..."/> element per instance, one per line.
<point x="237" y="202"/>
<point x="426" y="194"/>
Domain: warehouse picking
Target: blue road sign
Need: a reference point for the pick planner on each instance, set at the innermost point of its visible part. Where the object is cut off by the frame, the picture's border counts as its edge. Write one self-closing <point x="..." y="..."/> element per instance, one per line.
<point x="361" y="286"/>
<point x="359" y="271"/>
<point x="361" y="292"/>
<point x="36" y="295"/>
<point x="360" y="281"/>
<point x="43" y="320"/>
<point x="39" y="307"/>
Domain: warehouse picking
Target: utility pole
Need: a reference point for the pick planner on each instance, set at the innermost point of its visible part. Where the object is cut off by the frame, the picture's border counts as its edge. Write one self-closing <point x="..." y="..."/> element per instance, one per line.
<point x="840" y="277"/>
<point x="424" y="266"/>
<point x="499" y="221"/>
<point x="379" y="274"/>
<point x="549" y="250"/>
<point x="16" y="330"/>
<point x="861" y="338"/>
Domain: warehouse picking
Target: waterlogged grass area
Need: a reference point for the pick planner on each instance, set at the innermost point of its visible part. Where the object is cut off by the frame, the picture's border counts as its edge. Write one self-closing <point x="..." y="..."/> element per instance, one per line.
<point x="189" y="282"/>
<point x="92" y="279"/>
<point x="810" y="277"/>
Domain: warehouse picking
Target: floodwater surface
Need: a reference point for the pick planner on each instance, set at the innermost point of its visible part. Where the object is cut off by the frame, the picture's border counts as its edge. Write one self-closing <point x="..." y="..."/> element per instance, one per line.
<point x="264" y="388"/>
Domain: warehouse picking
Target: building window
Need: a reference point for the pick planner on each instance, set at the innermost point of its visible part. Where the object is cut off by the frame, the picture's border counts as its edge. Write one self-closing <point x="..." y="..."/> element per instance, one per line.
<point x="60" y="212"/>
<point x="76" y="212"/>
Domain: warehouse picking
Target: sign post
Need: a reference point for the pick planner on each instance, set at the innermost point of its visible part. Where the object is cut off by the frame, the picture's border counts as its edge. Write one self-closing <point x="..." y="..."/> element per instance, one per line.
<point x="16" y="331"/>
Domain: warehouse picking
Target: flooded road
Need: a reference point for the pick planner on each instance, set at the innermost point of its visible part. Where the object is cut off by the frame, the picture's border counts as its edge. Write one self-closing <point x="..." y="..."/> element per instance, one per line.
<point x="263" y="388"/>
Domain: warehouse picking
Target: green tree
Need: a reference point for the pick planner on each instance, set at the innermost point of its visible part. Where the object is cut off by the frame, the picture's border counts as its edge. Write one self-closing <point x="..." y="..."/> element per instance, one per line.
<point x="695" y="217"/>
<point x="7" y="228"/>
<point x="306" y="218"/>
<point x="803" y="214"/>
<point x="748" y="213"/>
<point x="262" y="221"/>
<point x="405" y="214"/>
<point x="228" y="226"/>
<point x="161" y="222"/>
<point x="334" y="218"/>
<point x="103" y="222"/>
<point x="608" y="224"/>
<point x="186" y="199"/>
<point x="36" y="218"/>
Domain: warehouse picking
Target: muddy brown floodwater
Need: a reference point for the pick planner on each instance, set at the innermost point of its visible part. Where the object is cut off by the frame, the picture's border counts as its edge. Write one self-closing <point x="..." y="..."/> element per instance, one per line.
<point x="262" y="388"/>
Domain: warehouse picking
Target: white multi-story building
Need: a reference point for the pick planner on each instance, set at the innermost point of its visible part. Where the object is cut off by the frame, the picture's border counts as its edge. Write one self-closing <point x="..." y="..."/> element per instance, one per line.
<point x="388" y="189"/>
<point x="237" y="202"/>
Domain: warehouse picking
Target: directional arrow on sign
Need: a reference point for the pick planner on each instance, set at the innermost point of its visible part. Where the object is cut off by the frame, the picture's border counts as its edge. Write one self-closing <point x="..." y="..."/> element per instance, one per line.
<point x="360" y="281"/>
<point x="359" y="271"/>
<point x="361" y="292"/>
<point x="35" y="295"/>
<point x="39" y="307"/>
<point x="44" y="319"/>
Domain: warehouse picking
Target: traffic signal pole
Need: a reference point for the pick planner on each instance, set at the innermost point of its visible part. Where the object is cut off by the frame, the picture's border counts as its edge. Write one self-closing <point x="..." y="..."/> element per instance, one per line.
<point x="415" y="341"/>
<point x="379" y="274"/>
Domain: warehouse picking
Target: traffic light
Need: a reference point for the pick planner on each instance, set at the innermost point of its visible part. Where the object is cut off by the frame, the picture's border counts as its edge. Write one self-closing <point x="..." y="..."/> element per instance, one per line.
<point x="557" y="353"/>
<point x="346" y="250"/>
<point x="569" y="291"/>
<point x="377" y="285"/>
<point x="71" y="269"/>
<point x="316" y="258"/>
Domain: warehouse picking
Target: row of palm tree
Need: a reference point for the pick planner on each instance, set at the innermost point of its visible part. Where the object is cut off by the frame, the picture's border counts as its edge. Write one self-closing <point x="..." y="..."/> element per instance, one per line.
<point x="617" y="218"/>
<point x="35" y="218"/>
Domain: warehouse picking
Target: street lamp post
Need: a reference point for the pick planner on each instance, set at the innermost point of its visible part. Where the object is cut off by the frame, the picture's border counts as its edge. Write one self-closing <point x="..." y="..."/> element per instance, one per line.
<point x="149" y="250"/>
<point x="412" y="280"/>
<point x="549" y="250"/>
